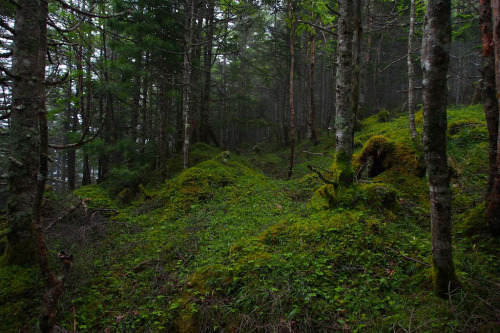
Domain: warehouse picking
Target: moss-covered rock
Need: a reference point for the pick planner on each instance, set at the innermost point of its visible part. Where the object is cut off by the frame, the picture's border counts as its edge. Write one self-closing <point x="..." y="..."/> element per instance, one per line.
<point x="379" y="154"/>
<point x="383" y="116"/>
<point x="375" y="156"/>
<point x="125" y="196"/>
<point x="380" y="196"/>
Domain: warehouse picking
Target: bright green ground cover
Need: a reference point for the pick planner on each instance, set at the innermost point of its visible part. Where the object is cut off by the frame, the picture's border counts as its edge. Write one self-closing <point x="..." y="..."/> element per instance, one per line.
<point x="226" y="246"/>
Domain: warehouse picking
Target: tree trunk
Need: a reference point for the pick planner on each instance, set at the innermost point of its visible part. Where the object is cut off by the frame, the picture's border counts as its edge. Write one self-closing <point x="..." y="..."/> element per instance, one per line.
<point x="70" y="126"/>
<point x="187" y="75"/>
<point x="144" y="107"/>
<point x="24" y="140"/>
<point x="411" y="73"/>
<point x="292" y="109"/>
<point x="435" y="60"/>
<point x="206" y="131"/>
<point x="312" y="111"/>
<point x="493" y="212"/>
<point x="344" y="120"/>
<point x="366" y="48"/>
<point x="136" y="99"/>
<point x="488" y="87"/>
<point x="356" y="56"/>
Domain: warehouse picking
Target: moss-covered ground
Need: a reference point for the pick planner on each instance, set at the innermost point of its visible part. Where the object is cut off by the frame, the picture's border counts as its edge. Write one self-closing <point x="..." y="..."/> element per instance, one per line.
<point x="229" y="246"/>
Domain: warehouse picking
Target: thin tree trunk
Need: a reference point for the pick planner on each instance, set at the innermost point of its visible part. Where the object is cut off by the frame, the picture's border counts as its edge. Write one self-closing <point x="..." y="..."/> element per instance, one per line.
<point x="366" y="48"/>
<point x="435" y="60"/>
<point x="144" y="107"/>
<point x="187" y="76"/>
<point x="136" y="99"/>
<point x="493" y="212"/>
<point x="356" y="56"/>
<point x="312" y="112"/>
<point x="86" y="179"/>
<point x="292" y="109"/>
<point x="411" y="73"/>
<point x="69" y="127"/>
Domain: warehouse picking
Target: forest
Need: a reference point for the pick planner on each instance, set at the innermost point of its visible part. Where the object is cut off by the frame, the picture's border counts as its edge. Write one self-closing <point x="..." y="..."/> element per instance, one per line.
<point x="249" y="166"/>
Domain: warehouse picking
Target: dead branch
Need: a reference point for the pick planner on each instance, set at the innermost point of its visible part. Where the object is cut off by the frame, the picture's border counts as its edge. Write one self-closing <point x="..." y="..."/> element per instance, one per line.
<point x="409" y="258"/>
<point x="311" y="153"/>
<point x="143" y="264"/>
<point x="62" y="80"/>
<point x="82" y="140"/>
<point x="73" y="28"/>
<point x="6" y="54"/>
<point x="89" y="14"/>
<point x="320" y="175"/>
<point x="70" y="211"/>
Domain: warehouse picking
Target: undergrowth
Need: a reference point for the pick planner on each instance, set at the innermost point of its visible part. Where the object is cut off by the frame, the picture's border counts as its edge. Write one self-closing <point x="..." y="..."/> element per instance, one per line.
<point x="229" y="246"/>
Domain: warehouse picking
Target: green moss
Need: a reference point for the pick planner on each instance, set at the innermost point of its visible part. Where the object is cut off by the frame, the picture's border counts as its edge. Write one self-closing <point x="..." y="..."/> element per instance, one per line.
<point x="474" y="221"/>
<point x="342" y="169"/>
<point x="125" y="196"/>
<point x="383" y="116"/>
<point x="323" y="197"/>
<point x="18" y="290"/>
<point x="380" y="196"/>
<point x="98" y="197"/>
<point x="375" y="156"/>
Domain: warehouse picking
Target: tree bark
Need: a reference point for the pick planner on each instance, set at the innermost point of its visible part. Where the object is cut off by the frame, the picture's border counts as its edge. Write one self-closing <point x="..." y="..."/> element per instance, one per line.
<point x="344" y="120"/>
<point x="356" y="56"/>
<point x="312" y="112"/>
<point x="69" y="127"/>
<point x="488" y="87"/>
<point x="292" y="69"/>
<point x="187" y="75"/>
<point x="493" y="211"/>
<point x="24" y="141"/>
<point x="435" y="60"/>
<point x="411" y="73"/>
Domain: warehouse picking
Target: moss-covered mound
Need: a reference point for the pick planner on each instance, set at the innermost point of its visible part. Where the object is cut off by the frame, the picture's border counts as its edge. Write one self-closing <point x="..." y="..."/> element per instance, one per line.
<point x="223" y="247"/>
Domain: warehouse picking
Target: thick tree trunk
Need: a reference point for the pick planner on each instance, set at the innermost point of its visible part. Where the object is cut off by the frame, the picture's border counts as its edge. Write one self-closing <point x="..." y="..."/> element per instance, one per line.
<point x="488" y="87"/>
<point x="344" y="120"/>
<point x="366" y="48"/>
<point x="435" y="59"/>
<point x="292" y="108"/>
<point x="493" y="212"/>
<point x="206" y="131"/>
<point x="24" y="139"/>
<point x="411" y="73"/>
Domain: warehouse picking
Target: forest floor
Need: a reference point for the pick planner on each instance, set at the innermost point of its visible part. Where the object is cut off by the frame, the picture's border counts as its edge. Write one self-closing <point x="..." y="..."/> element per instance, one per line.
<point x="230" y="246"/>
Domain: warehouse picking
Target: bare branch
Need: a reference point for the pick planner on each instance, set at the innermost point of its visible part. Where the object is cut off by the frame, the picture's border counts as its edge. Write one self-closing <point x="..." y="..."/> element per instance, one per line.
<point x="6" y="54"/>
<point x="5" y="116"/>
<point x="7" y="71"/>
<point x="60" y="81"/>
<point x="76" y="26"/>
<point x="82" y="140"/>
<point x="320" y="175"/>
<point x="88" y="14"/>
<point x="409" y="258"/>
<point x="6" y="26"/>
